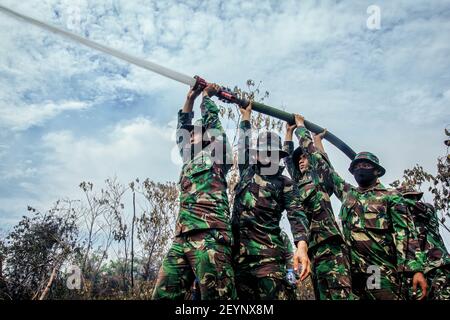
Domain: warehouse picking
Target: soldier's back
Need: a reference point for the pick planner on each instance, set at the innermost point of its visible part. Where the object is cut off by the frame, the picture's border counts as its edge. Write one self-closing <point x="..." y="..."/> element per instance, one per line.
<point x="258" y="210"/>
<point x="203" y="195"/>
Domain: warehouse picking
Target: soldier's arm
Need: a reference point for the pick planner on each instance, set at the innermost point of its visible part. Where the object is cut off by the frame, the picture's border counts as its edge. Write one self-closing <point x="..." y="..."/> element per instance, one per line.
<point x="212" y="123"/>
<point x="321" y="164"/>
<point x="210" y="114"/>
<point x="295" y="213"/>
<point x="299" y="226"/>
<point x="318" y="143"/>
<point x="183" y="136"/>
<point x="421" y="221"/>
<point x="288" y="147"/>
<point x="437" y="253"/>
<point x="410" y="258"/>
<point x="303" y="135"/>
<point x="434" y="237"/>
<point x="245" y="127"/>
<point x="185" y="117"/>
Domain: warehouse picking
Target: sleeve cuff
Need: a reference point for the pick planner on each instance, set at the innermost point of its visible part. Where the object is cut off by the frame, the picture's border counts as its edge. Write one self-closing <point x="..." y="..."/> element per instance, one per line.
<point x="403" y="269"/>
<point x="245" y="124"/>
<point x="412" y="266"/>
<point x="185" y="117"/>
<point x="299" y="238"/>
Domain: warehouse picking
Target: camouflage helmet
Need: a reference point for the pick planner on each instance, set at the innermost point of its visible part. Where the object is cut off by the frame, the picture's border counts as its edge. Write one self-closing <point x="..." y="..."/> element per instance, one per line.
<point x="270" y="141"/>
<point x="409" y="192"/>
<point x="296" y="158"/>
<point x="367" y="157"/>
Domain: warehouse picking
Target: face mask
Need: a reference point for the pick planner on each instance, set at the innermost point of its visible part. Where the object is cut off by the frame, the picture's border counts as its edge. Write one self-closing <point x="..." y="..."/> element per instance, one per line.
<point x="364" y="177"/>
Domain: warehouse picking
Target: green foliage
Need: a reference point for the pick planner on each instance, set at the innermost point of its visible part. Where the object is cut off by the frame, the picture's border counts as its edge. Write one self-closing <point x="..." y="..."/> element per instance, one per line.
<point x="95" y="235"/>
<point x="438" y="185"/>
<point x="35" y="247"/>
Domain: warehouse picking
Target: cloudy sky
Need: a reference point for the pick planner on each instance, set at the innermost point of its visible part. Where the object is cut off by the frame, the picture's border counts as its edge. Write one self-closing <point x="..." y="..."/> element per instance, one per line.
<point x="69" y="114"/>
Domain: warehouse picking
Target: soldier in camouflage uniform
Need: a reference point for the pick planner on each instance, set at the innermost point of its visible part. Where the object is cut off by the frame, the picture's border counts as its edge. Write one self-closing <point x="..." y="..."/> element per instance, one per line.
<point x="327" y="250"/>
<point x="261" y="196"/>
<point x="437" y="266"/>
<point x="202" y="245"/>
<point x="378" y="229"/>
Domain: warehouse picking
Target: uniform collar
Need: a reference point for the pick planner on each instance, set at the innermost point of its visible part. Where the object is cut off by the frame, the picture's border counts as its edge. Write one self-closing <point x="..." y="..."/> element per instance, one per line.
<point x="376" y="187"/>
<point x="305" y="177"/>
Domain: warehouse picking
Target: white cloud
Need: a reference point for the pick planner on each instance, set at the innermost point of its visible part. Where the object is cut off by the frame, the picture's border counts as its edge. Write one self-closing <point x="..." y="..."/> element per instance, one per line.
<point x="137" y="148"/>
<point x="129" y="150"/>
<point x="23" y="117"/>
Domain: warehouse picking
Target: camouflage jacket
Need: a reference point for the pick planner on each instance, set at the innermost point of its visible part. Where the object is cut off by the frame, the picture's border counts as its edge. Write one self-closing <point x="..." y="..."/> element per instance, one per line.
<point x="203" y="186"/>
<point x="431" y="242"/>
<point x="288" y="250"/>
<point x="258" y="206"/>
<point x="377" y="224"/>
<point x="315" y="191"/>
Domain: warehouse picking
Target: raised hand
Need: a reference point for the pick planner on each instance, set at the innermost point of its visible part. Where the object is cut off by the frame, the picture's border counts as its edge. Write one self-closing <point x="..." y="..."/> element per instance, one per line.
<point x="247" y="112"/>
<point x="193" y="94"/>
<point x="289" y="131"/>
<point x="299" y="120"/>
<point x="211" y="90"/>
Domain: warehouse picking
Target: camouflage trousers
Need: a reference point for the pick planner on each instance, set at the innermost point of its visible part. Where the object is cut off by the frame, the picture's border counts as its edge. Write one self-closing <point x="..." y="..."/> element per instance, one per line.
<point x="387" y="287"/>
<point x="439" y="284"/>
<point x="331" y="271"/>
<point x="205" y="255"/>
<point x="261" y="278"/>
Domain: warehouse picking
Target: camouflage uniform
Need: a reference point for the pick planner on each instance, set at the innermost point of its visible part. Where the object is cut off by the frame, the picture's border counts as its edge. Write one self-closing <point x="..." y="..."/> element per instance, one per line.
<point x="258" y="206"/>
<point x="202" y="245"/>
<point x="380" y="233"/>
<point x="327" y="250"/>
<point x="437" y="265"/>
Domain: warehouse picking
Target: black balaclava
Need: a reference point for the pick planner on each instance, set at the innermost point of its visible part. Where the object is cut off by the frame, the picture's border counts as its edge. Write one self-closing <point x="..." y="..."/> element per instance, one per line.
<point x="365" y="177"/>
